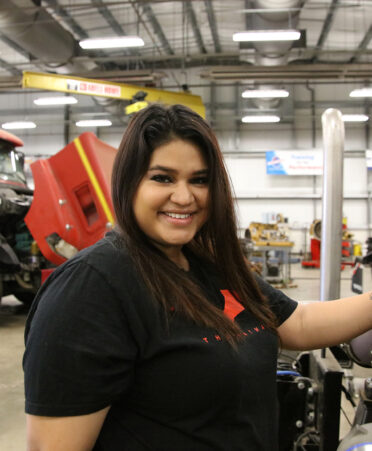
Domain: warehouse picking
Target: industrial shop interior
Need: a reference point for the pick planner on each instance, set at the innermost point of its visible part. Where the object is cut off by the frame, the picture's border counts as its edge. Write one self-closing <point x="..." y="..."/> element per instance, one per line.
<point x="285" y="86"/>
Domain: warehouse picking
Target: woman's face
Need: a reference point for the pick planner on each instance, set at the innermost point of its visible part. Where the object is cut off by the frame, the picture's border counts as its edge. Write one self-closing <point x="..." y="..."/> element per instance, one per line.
<point x="171" y="202"/>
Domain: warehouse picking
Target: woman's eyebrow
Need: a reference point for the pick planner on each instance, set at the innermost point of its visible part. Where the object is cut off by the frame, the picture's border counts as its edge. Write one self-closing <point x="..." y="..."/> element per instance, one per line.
<point x="201" y="172"/>
<point x="166" y="169"/>
<point x="161" y="168"/>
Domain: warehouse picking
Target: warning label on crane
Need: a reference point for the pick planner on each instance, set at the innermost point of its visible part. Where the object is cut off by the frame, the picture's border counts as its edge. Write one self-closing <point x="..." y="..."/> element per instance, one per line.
<point x="98" y="89"/>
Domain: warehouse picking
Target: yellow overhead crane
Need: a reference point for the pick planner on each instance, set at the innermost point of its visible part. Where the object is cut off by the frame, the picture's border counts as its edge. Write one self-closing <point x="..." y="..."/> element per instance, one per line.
<point x="100" y="88"/>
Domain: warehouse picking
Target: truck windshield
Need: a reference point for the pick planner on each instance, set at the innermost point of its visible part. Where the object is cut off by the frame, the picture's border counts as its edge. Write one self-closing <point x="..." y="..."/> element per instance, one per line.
<point x="11" y="164"/>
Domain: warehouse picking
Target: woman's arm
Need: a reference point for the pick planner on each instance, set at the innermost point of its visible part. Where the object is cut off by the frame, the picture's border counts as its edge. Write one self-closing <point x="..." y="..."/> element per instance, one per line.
<point x="78" y="433"/>
<point x="321" y="324"/>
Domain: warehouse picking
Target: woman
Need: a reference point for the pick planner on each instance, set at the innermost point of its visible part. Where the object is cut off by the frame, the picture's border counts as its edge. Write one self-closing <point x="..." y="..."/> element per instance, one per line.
<point x="158" y="337"/>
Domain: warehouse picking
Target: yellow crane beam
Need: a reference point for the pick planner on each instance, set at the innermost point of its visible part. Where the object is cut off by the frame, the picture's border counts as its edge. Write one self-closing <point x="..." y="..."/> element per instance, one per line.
<point x="101" y="88"/>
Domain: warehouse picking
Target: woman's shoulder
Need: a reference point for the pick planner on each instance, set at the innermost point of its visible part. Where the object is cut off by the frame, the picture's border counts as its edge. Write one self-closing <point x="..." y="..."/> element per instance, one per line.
<point x="100" y="275"/>
<point x="108" y="258"/>
<point x="106" y="255"/>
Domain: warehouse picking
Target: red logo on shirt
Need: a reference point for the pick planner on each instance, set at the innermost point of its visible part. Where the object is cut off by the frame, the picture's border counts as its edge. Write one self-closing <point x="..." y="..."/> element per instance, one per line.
<point x="232" y="306"/>
<point x="245" y="332"/>
<point x="232" y="309"/>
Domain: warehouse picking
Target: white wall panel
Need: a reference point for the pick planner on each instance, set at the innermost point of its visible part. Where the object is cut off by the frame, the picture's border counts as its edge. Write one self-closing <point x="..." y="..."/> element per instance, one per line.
<point x="355" y="176"/>
<point x="249" y="179"/>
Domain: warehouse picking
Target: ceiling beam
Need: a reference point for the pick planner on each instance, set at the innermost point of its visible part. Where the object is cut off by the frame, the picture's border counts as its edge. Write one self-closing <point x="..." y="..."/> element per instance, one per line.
<point x="13" y="70"/>
<point x="107" y="15"/>
<point x="363" y="45"/>
<point x="158" y="62"/>
<point x="249" y="17"/>
<point x="13" y="45"/>
<point x="212" y="25"/>
<point x="326" y="25"/>
<point x="291" y="72"/>
<point x="148" y="11"/>
<point x="66" y="17"/>
<point x="163" y="62"/>
<point x="195" y="27"/>
<point x="114" y="24"/>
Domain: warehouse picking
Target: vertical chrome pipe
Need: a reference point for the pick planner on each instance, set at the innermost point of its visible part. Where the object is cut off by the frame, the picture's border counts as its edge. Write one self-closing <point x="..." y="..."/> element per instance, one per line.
<point x="333" y="165"/>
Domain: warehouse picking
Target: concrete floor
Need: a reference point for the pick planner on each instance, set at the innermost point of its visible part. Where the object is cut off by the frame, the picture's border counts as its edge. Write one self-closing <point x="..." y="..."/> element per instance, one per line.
<point x="12" y="419"/>
<point x="12" y="319"/>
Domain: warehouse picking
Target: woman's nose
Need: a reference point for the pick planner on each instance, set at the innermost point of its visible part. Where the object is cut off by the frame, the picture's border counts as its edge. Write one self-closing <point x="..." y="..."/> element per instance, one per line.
<point x="182" y="194"/>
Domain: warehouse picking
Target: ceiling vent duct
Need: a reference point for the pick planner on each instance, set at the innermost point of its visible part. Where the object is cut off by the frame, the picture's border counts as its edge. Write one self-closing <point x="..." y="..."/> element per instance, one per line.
<point x="32" y="28"/>
<point x="271" y="15"/>
<point x="36" y="31"/>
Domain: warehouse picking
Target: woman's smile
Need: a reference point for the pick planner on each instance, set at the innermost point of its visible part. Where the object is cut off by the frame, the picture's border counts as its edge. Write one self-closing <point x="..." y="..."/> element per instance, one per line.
<point x="178" y="218"/>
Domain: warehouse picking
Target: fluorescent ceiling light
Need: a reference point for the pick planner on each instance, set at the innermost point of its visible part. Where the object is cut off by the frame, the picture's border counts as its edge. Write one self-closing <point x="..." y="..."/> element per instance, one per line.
<point x="363" y="92"/>
<point x="94" y="123"/>
<point x="112" y="42"/>
<point x="67" y="100"/>
<point x="260" y="119"/>
<point x="354" y="118"/>
<point x="267" y="35"/>
<point x="264" y="93"/>
<point x="18" y="125"/>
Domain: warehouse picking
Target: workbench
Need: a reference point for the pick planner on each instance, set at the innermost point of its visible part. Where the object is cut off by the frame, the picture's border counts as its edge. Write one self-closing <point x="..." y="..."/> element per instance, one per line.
<point x="264" y="247"/>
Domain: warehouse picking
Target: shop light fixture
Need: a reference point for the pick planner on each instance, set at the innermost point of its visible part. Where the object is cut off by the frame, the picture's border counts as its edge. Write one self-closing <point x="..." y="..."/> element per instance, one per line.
<point x="94" y="123"/>
<point x="355" y="117"/>
<point x="112" y="42"/>
<point x="264" y="93"/>
<point x="362" y="92"/>
<point x="266" y="35"/>
<point x="67" y="100"/>
<point x="18" y="125"/>
<point x="260" y="119"/>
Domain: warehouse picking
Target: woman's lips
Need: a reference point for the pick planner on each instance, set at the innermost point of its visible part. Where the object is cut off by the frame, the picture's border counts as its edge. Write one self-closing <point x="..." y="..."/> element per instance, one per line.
<point x="178" y="218"/>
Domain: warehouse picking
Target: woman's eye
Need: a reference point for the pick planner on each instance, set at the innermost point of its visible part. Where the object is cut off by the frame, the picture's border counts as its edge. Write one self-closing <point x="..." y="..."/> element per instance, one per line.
<point x="161" y="178"/>
<point x="200" y="181"/>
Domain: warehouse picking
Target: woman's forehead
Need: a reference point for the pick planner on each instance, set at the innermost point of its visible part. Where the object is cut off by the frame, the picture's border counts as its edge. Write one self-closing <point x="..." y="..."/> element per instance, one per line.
<point x="177" y="151"/>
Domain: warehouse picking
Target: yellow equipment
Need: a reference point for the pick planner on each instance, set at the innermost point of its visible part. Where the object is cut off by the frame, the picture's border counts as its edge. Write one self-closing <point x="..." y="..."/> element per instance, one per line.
<point x="134" y="107"/>
<point x="100" y="88"/>
<point x="268" y="235"/>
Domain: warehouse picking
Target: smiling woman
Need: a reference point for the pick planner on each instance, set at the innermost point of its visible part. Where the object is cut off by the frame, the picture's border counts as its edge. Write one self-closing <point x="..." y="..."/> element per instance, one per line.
<point x="169" y="162"/>
<point x="159" y="337"/>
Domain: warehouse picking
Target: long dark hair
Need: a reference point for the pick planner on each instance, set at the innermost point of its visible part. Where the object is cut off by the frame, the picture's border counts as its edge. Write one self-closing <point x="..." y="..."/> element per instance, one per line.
<point x="216" y="242"/>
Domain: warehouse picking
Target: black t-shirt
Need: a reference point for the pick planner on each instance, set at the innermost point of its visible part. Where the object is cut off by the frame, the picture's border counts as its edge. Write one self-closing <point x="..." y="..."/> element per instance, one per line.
<point x="95" y="337"/>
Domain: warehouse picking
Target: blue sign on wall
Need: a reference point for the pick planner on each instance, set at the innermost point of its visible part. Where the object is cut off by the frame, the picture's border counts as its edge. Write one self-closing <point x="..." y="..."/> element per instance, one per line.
<point x="290" y="162"/>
